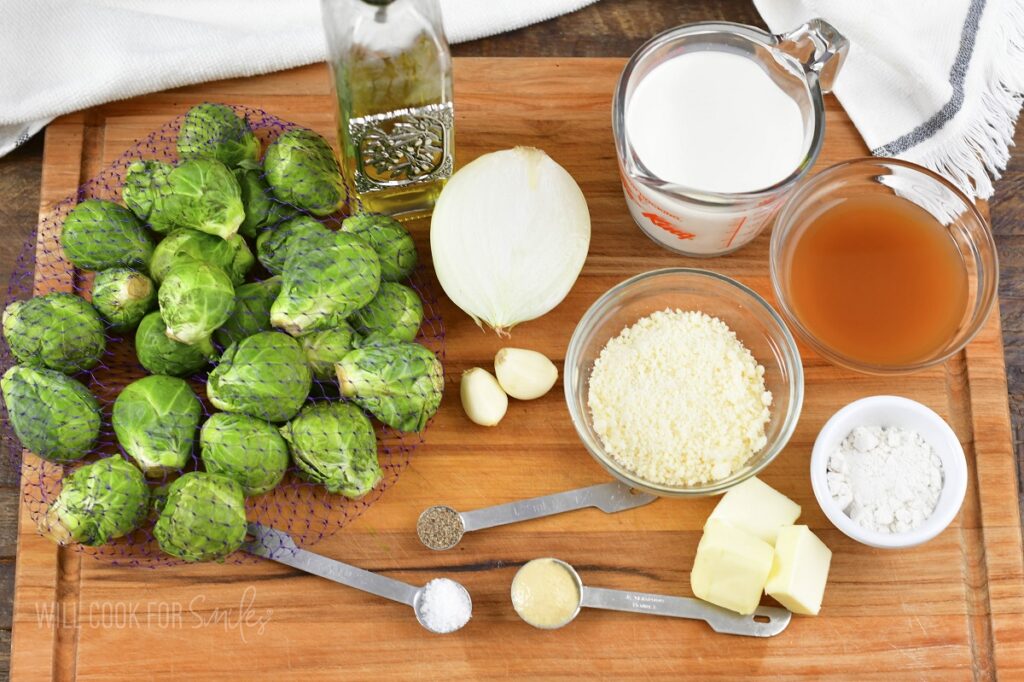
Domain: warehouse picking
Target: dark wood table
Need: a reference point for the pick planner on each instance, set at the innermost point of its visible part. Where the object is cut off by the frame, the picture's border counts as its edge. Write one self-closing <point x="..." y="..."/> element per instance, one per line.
<point x="609" y="28"/>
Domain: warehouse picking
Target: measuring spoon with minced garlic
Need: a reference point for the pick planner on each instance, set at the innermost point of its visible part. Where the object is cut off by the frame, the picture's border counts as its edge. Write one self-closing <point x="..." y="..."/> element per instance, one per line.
<point x="441" y="527"/>
<point x="548" y="594"/>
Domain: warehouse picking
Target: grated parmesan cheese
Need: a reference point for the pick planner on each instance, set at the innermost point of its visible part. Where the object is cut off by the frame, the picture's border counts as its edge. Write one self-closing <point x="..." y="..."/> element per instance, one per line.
<point x="678" y="400"/>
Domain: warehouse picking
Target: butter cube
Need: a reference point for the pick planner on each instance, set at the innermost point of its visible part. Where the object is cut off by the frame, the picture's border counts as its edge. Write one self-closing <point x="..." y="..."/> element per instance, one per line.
<point x="731" y="567"/>
<point x="756" y="507"/>
<point x="799" y="570"/>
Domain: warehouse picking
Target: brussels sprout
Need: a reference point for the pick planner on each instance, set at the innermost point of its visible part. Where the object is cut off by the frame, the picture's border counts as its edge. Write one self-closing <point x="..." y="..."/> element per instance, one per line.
<point x="375" y="340"/>
<point x="391" y="241"/>
<point x="142" y="181"/>
<point x="324" y="285"/>
<point x="300" y="233"/>
<point x="256" y="200"/>
<point x="302" y="171"/>
<point x="279" y="213"/>
<point x="160" y="354"/>
<point x="97" y="503"/>
<point x="123" y="296"/>
<point x="214" y="131"/>
<point x="58" y="331"/>
<point x="395" y="311"/>
<point x="155" y="419"/>
<point x="243" y="259"/>
<point x="401" y="384"/>
<point x="202" y="517"/>
<point x="53" y="415"/>
<point x="100" y="234"/>
<point x="195" y="298"/>
<point x="232" y="255"/>
<point x="264" y="375"/>
<point x="158" y="498"/>
<point x="202" y="194"/>
<point x="326" y="347"/>
<point x="333" y="444"/>
<point x="261" y="209"/>
<point x="244" y="448"/>
<point x="252" y="311"/>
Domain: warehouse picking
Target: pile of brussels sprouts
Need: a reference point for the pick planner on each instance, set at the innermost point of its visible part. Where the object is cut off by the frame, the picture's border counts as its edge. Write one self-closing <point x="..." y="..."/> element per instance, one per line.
<point x="175" y="263"/>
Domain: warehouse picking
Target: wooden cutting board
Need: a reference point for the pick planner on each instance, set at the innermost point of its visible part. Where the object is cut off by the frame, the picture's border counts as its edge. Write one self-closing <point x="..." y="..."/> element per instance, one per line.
<point x="951" y="609"/>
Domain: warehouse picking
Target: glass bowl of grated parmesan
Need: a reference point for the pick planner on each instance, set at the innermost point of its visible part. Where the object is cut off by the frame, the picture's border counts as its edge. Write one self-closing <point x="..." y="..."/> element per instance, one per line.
<point x="683" y="382"/>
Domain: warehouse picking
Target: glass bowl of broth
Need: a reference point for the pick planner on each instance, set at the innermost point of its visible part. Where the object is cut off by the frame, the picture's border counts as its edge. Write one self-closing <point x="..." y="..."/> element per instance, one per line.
<point x="882" y="266"/>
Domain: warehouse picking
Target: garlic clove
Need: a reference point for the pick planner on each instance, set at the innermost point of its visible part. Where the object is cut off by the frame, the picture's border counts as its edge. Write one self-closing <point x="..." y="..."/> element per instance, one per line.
<point x="524" y="374"/>
<point x="482" y="398"/>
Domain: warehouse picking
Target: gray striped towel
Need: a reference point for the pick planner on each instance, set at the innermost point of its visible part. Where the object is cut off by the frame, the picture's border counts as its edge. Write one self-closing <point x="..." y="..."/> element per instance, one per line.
<point x="936" y="82"/>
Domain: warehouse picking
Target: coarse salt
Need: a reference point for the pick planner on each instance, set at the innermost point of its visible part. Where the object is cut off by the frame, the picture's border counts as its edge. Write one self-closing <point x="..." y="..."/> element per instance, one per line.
<point x="444" y="606"/>
<point x="677" y="399"/>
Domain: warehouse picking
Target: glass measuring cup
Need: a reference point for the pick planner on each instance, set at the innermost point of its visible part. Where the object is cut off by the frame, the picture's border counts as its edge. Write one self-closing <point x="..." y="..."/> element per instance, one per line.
<point x="802" y="63"/>
<point x="766" y="621"/>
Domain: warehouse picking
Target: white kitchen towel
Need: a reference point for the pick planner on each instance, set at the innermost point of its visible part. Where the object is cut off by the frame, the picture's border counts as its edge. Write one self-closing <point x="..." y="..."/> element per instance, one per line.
<point x="58" y="56"/>
<point x="936" y="82"/>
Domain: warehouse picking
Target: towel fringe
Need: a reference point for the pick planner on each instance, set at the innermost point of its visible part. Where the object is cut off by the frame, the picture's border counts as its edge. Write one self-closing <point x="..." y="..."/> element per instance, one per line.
<point x="981" y="148"/>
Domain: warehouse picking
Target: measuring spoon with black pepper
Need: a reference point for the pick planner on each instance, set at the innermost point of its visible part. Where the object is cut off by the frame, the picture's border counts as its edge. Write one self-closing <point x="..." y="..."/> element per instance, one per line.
<point x="442" y="527"/>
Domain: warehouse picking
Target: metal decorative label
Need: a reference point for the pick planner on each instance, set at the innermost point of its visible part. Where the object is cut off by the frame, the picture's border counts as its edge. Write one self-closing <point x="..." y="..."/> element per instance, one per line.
<point x="402" y="147"/>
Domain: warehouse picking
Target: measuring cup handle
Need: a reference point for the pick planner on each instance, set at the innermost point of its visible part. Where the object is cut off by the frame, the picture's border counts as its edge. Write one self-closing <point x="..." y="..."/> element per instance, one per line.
<point x="766" y="621"/>
<point x="278" y="546"/>
<point x="605" y="496"/>
<point x="641" y="602"/>
<point x="819" y="47"/>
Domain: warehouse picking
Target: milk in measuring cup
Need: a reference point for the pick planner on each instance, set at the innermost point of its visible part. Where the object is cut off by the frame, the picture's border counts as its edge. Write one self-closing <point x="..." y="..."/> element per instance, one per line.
<point x="710" y="122"/>
<point x="715" y="122"/>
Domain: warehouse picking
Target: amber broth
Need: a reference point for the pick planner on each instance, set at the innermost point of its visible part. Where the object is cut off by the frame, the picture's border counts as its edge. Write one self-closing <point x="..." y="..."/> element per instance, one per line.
<point x="879" y="280"/>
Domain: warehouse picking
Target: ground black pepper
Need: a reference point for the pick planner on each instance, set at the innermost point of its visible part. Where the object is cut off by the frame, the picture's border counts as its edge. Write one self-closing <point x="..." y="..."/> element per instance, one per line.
<point x="440" y="527"/>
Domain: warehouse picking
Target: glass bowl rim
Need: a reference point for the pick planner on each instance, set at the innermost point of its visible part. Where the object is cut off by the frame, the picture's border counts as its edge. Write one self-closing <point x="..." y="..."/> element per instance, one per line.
<point x="793" y="366"/>
<point x="980" y="317"/>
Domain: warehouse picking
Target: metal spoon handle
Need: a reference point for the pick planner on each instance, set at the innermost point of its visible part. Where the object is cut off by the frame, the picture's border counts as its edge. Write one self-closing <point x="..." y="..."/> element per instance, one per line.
<point x="766" y="621"/>
<point x="608" y="497"/>
<point x="278" y="546"/>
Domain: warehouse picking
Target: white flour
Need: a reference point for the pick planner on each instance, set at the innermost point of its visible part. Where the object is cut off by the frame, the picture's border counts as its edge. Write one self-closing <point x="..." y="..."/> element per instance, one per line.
<point x="886" y="479"/>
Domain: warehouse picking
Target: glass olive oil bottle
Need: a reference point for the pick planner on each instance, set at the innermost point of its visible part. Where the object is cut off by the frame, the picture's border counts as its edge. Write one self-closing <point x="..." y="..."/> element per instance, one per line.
<point x="393" y="79"/>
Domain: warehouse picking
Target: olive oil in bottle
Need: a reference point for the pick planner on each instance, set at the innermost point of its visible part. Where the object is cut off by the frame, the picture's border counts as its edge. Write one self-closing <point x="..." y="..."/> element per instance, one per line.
<point x="393" y="81"/>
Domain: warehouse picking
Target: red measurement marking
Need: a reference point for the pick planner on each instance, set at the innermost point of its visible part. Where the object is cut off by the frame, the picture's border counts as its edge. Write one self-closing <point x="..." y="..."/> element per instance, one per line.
<point x="628" y="186"/>
<point x="634" y="193"/>
<point x="627" y="183"/>
<point x="671" y="215"/>
<point x="658" y="221"/>
<point x="739" y="224"/>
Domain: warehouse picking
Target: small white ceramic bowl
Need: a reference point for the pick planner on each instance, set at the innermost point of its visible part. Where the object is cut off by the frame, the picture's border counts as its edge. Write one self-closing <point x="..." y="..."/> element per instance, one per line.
<point x="887" y="411"/>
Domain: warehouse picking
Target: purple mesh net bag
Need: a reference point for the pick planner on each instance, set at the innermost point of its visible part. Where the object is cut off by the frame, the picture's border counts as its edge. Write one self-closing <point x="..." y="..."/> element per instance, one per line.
<point x="181" y="364"/>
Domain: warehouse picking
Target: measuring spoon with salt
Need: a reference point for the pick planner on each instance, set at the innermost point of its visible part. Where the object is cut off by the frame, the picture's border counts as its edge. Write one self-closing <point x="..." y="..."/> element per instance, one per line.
<point x="278" y="546"/>
<point x="548" y="594"/>
<point x="442" y="527"/>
